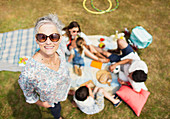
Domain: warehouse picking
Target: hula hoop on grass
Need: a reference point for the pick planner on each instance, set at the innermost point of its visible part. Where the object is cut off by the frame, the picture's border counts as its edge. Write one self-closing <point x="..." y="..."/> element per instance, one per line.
<point x="98" y="10"/>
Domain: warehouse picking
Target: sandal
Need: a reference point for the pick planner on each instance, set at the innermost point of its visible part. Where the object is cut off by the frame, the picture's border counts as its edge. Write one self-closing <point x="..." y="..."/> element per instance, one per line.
<point x="117" y="104"/>
<point x="115" y="96"/>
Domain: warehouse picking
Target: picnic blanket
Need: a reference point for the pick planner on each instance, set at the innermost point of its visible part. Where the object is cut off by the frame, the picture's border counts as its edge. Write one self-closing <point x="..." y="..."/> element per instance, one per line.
<point x="19" y="43"/>
<point x="16" y="44"/>
<point x="89" y="72"/>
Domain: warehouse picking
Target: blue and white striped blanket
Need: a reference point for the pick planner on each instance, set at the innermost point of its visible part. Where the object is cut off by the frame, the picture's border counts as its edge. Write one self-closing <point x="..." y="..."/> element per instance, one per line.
<point x="16" y="44"/>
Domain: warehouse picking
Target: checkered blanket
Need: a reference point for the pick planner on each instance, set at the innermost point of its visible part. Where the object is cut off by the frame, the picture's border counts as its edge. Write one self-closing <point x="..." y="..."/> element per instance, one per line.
<point x="16" y="44"/>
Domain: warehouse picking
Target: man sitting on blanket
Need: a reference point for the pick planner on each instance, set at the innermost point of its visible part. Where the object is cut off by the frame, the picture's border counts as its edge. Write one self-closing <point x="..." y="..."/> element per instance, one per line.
<point x="133" y="69"/>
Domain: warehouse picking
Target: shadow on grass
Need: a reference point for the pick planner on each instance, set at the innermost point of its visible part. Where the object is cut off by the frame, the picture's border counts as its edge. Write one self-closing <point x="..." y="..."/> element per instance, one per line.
<point x="21" y="109"/>
<point x="73" y="104"/>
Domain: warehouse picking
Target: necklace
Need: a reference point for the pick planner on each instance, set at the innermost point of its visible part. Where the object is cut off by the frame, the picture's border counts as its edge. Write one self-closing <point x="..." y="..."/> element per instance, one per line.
<point x="48" y="62"/>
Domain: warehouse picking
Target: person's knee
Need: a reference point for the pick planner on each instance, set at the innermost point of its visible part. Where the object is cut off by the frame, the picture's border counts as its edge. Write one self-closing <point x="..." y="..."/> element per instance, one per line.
<point x="122" y="43"/>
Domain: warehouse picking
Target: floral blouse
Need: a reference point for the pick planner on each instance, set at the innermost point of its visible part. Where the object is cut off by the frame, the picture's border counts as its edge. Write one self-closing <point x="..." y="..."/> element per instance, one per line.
<point x="36" y="80"/>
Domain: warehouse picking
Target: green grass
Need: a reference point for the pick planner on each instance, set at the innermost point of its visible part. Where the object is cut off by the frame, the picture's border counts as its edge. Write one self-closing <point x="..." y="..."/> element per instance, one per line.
<point x="153" y="15"/>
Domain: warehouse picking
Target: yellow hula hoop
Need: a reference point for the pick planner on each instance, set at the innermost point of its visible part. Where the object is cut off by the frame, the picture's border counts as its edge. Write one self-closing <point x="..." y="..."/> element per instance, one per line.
<point x="102" y="12"/>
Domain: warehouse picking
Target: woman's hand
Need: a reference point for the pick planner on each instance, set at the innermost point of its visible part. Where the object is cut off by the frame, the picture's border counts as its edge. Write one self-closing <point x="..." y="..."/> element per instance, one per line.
<point x="46" y="105"/>
<point x="43" y="104"/>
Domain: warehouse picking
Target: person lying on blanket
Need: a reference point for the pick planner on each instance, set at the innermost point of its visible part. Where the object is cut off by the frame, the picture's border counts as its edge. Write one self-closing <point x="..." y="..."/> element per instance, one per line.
<point x="132" y="70"/>
<point x="71" y="32"/>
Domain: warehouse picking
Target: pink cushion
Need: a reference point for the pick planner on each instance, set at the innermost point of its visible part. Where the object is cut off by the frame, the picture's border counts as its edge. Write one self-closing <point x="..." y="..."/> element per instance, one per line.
<point x="136" y="100"/>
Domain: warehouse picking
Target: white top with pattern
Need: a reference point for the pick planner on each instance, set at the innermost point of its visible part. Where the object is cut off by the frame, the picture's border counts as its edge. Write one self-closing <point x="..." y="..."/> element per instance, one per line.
<point x="37" y="79"/>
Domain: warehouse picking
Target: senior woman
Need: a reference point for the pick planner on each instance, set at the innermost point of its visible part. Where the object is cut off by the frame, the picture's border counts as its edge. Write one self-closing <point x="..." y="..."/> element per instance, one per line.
<point x="45" y="74"/>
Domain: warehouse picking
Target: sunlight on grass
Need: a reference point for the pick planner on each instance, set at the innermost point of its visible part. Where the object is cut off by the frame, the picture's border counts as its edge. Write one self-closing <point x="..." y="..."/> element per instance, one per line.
<point x="151" y="14"/>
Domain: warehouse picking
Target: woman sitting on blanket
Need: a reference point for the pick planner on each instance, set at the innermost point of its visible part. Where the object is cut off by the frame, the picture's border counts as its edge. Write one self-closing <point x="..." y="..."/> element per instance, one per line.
<point x="45" y="74"/>
<point x="72" y="31"/>
<point x="77" y="54"/>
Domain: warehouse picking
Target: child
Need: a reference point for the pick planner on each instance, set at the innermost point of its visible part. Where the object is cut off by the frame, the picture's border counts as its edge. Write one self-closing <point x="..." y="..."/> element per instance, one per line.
<point x="93" y="102"/>
<point x="77" y="54"/>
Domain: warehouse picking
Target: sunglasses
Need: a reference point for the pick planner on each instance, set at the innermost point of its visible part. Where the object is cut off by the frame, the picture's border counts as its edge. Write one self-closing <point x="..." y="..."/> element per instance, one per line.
<point x="42" y="37"/>
<point x="76" y="31"/>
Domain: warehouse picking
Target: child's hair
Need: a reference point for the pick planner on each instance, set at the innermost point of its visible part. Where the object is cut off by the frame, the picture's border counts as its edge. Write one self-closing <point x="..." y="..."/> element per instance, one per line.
<point x="139" y="76"/>
<point x="79" y="43"/>
<point x="70" y="26"/>
<point x="82" y="93"/>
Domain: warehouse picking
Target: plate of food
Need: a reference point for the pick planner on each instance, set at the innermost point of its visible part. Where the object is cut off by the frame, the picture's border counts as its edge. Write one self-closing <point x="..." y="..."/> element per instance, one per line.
<point x="101" y="45"/>
<point x="101" y="39"/>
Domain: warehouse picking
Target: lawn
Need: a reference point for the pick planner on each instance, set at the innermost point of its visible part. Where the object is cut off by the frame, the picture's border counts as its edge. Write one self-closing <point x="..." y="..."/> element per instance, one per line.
<point x="153" y="15"/>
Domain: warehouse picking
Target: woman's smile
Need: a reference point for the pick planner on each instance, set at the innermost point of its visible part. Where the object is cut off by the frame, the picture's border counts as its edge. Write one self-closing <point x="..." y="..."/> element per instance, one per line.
<point x="48" y="47"/>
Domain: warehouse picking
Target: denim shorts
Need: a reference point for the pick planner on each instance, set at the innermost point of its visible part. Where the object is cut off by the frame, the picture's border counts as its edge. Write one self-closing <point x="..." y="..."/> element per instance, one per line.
<point x="125" y="51"/>
<point x="80" y="65"/>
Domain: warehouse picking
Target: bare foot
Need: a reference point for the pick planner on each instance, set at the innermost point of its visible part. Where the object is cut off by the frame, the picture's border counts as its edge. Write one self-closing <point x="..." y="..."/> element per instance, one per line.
<point x="104" y="60"/>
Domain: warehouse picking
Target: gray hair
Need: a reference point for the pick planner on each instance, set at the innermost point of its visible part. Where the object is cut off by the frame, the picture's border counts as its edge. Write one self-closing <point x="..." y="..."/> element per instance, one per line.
<point x="52" y="19"/>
